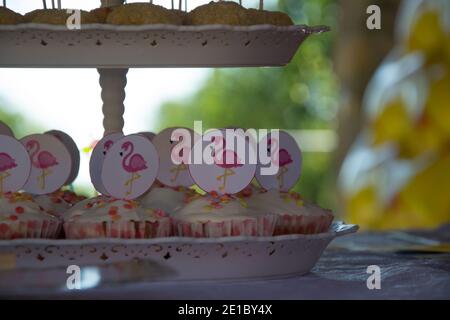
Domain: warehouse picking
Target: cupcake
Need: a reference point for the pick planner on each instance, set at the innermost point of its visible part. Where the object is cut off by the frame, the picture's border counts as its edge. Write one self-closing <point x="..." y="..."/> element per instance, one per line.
<point x="105" y="217"/>
<point x="295" y="215"/>
<point x="212" y="216"/>
<point x="275" y="18"/>
<point x="180" y="14"/>
<point x="57" y="16"/>
<point x="8" y="16"/>
<point x="21" y="217"/>
<point x="58" y="202"/>
<point x="222" y="12"/>
<point x="102" y="13"/>
<point x="142" y="13"/>
<point x="166" y="198"/>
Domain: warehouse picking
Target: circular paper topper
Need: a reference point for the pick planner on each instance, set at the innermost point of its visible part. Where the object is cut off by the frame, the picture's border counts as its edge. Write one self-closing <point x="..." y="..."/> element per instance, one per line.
<point x="15" y="164"/>
<point x="284" y="156"/>
<point x="73" y="150"/>
<point x="50" y="163"/>
<point x="148" y="134"/>
<point x="223" y="169"/>
<point x="130" y="167"/>
<point x="5" y="130"/>
<point x="98" y="156"/>
<point x="176" y="142"/>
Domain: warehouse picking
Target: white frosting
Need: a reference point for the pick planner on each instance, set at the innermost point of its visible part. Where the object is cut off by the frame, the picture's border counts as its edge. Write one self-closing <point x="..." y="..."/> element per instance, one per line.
<point x="206" y="208"/>
<point x="105" y="209"/>
<point x="165" y="198"/>
<point x="21" y="207"/>
<point x="274" y="201"/>
<point x="52" y="204"/>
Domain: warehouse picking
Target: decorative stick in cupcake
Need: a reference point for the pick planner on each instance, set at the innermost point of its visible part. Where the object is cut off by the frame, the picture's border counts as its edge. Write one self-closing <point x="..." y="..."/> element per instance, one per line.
<point x="132" y="163"/>
<point x="6" y="163"/>
<point x="280" y="157"/>
<point x="224" y="162"/>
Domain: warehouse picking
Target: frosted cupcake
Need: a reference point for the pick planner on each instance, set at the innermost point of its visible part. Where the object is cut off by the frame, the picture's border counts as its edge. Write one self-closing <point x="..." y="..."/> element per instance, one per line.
<point x="105" y="217"/>
<point x="8" y="16"/>
<point x="58" y="202"/>
<point x="169" y="199"/>
<point x="275" y="18"/>
<point x="221" y="216"/>
<point x="21" y="217"/>
<point x="296" y="216"/>
<point x="142" y="13"/>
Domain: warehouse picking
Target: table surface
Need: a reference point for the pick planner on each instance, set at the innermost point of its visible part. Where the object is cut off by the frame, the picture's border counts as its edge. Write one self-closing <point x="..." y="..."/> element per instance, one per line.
<point x="408" y="271"/>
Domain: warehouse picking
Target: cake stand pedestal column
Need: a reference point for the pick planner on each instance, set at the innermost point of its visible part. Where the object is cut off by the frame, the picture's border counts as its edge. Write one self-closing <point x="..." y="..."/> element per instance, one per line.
<point x="113" y="82"/>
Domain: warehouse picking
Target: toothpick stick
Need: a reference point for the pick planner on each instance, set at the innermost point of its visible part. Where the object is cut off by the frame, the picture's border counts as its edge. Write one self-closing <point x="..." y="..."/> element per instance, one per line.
<point x="185" y="5"/>
<point x="240" y="2"/>
<point x="4" y="3"/>
<point x="53" y="4"/>
<point x="261" y="4"/>
<point x="179" y="4"/>
<point x="44" y="3"/>
<point x="59" y="4"/>
<point x="172" y="4"/>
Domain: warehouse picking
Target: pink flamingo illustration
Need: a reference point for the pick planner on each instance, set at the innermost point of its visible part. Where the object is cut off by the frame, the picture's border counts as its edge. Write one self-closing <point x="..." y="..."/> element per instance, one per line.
<point x="6" y="163"/>
<point x="107" y="145"/>
<point x="224" y="162"/>
<point x="44" y="160"/>
<point x="283" y="159"/>
<point x="132" y="164"/>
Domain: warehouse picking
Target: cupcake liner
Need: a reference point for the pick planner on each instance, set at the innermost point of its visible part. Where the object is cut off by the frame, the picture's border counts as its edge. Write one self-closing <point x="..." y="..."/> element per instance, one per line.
<point x="302" y="224"/>
<point x="260" y="226"/>
<point x="32" y="229"/>
<point x="119" y="229"/>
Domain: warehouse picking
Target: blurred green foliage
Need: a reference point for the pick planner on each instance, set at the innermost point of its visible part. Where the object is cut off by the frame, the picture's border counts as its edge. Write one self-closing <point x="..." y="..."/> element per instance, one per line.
<point x="302" y="95"/>
<point x="19" y="125"/>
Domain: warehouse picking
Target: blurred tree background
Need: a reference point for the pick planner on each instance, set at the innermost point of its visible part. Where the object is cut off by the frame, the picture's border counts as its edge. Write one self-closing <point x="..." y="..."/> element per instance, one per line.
<point x="302" y="95"/>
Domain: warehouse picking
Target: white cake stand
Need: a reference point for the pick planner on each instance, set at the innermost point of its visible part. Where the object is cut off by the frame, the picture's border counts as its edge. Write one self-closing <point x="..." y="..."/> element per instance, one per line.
<point x="114" y="49"/>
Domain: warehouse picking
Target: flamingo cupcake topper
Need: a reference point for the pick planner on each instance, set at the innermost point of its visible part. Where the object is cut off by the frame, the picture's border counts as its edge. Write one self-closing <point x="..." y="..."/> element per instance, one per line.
<point x="44" y="4"/>
<point x="174" y="147"/>
<point x="130" y="167"/>
<point x="5" y="130"/>
<point x="15" y="164"/>
<point x="51" y="163"/>
<point x="98" y="156"/>
<point x="229" y="170"/>
<point x="285" y="154"/>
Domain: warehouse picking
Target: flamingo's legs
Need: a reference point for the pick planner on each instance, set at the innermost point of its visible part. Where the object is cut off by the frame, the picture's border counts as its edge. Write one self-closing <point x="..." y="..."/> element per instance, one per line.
<point x="177" y="170"/>
<point x="134" y="176"/>
<point x="41" y="178"/>
<point x="280" y="176"/>
<point x="227" y="173"/>
<point x="3" y="177"/>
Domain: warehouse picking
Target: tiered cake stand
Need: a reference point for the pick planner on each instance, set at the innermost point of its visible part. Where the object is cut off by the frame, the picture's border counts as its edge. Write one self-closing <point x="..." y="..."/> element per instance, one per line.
<point x="114" y="49"/>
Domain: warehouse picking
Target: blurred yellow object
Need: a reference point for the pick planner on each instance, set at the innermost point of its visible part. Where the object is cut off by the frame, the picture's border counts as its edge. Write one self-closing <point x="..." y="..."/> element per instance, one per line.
<point x="438" y="103"/>
<point x="427" y="35"/>
<point x="427" y="194"/>
<point x="393" y="124"/>
<point x="363" y="207"/>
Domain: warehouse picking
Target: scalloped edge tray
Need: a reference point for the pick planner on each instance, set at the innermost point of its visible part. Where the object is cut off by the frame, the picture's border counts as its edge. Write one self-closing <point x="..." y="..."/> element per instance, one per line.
<point x="108" y="46"/>
<point x="181" y="258"/>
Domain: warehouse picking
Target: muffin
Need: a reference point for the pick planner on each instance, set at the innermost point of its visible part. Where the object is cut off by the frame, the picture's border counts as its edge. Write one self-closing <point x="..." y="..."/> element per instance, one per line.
<point x="142" y="13"/>
<point x="295" y="215"/>
<point x="105" y="217"/>
<point x="57" y="16"/>
<point x="58" y="202"/>
<point x="180" y="14"/>
<point x="102" y="13"/>
<point x="222" y="12"/>
<point x="275" y="18"/>
<point x="213" y="216"/>
<point x="21" y="217"/>
<point x="8" y="16"/>
<point x="166" y="198"/>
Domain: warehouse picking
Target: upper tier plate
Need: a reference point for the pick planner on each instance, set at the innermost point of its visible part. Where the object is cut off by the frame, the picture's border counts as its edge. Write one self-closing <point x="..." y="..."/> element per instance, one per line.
<point x="108" y="46"/>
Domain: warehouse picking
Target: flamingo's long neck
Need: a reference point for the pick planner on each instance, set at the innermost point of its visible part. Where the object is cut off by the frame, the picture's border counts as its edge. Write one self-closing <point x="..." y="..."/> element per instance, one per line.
<point x="220" y="152"/>
<point x="274" y="150"/>
<point x="34" y="148"/>
<point x="125" y="162"/>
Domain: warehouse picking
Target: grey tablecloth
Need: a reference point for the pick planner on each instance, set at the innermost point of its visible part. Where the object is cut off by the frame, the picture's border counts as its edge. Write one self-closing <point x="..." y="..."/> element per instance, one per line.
<point x="339" y="274"/>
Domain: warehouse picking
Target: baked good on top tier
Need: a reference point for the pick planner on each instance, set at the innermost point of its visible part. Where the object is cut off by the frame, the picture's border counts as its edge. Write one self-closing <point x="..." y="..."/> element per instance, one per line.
<point x="296" y="215"/>
<point x="8" y="16"/>
<point x="275" y="18"/>
<point x="142" y="13"/>
<point x="106" y="217"/>
<point x="58" y="202"/>
<point x="102" y="13"/>
<point x="57" y="16"/>
<point x="213" y="215"/>
<point x="222" y="12"/>
<point x="21" y="217"/>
